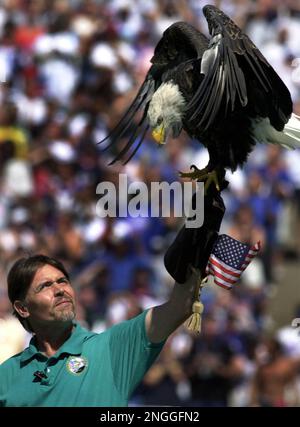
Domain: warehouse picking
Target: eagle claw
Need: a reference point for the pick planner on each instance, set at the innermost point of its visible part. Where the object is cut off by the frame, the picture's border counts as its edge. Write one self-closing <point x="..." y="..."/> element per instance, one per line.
<point x="202" y="175"/>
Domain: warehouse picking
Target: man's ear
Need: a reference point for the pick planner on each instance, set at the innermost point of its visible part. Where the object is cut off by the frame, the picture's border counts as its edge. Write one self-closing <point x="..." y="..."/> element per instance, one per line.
<point x="21" y="309"/>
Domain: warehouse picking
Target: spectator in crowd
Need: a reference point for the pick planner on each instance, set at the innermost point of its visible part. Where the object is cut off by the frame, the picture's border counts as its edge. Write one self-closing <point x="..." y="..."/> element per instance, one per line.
<point x="275" y="381"/>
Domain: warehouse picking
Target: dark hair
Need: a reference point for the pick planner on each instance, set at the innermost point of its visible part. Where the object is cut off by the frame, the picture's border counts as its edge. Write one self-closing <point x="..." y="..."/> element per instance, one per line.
<point x="21" y="275"/>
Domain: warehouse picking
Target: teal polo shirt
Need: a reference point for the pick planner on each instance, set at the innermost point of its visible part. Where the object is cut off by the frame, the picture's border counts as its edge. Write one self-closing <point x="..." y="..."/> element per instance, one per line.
<point x="88" y="370"/>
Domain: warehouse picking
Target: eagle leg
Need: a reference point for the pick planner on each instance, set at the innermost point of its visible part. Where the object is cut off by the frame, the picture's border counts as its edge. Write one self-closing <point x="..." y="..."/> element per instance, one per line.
<point x="205" y="175"/>
<point x="211" y="177"/>
<point x="199" y="174"/>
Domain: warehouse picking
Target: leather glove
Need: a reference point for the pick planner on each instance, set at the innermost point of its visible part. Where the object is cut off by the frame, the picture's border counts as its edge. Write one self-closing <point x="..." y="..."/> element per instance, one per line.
<point x="193" y="246"/>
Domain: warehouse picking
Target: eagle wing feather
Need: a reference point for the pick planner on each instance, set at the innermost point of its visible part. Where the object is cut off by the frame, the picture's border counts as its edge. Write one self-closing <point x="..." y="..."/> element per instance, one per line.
<point x="229" y="65"/>
<point x="180" y="42"/>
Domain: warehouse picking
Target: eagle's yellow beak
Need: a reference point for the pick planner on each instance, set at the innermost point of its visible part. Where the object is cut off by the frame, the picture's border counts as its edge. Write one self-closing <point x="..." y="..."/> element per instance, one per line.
<point x="159" y="134"/>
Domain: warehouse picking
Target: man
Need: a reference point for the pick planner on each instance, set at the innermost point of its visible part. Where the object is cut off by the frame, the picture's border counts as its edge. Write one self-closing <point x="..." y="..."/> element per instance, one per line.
<point x="275" y="381"/>
<point x="66" y="365"/>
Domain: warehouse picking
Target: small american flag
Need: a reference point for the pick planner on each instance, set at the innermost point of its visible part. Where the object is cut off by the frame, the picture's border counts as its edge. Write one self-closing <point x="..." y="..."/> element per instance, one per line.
<point x="228" y="259"/>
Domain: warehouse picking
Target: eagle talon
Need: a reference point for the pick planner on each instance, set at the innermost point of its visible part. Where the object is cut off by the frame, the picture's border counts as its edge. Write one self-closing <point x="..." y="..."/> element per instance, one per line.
<point x="204" y="175"/>
<point x="198" y="174"/>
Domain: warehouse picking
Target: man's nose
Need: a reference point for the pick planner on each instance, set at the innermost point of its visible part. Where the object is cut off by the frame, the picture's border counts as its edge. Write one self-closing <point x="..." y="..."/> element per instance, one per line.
<point x="58" y="289"/>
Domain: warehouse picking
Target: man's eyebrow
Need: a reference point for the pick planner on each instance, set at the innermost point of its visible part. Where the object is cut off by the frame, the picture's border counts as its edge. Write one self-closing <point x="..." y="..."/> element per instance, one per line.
<point x="45" y="282"/>
<point x="39" y="285"/>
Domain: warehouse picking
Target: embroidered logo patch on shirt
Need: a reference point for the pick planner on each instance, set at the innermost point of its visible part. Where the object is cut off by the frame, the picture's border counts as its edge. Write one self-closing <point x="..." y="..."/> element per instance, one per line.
<point x="76" y="364"/>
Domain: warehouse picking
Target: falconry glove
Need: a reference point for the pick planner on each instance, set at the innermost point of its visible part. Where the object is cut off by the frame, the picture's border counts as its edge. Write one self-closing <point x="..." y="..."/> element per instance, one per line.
<point x="193" y="246"/>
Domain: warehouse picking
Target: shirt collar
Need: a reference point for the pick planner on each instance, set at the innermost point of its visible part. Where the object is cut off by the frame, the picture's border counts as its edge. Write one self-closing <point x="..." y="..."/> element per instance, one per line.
<point x="73" y="345"/>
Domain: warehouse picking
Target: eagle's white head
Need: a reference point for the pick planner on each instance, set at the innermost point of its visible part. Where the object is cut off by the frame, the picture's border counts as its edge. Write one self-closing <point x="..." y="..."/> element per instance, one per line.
<point x="166" y="111"/>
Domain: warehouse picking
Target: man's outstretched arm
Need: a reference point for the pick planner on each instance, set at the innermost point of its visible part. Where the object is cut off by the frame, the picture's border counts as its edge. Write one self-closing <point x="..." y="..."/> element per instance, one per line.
<point x="186" y="258"/>
<point x="164" y="319"/>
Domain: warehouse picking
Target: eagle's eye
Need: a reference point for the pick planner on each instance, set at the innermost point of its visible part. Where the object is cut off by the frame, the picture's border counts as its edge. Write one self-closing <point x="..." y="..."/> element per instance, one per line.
<point x="159" y="120"/>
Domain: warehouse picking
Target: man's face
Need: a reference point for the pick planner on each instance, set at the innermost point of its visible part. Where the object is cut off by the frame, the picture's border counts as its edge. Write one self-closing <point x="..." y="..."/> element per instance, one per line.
<point x="50" y="297"/>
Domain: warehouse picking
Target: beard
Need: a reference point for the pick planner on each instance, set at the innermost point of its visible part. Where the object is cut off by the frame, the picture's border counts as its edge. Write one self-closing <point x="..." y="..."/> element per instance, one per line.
<point x="65" y="314"/>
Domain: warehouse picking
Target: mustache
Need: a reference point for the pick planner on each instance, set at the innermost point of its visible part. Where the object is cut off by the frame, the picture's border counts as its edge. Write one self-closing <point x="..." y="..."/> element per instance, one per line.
<point x="63" y="299"/>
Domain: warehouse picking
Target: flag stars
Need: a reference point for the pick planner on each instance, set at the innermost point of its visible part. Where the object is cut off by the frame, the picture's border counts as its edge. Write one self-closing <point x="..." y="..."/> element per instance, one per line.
<point x="228" y="260"/>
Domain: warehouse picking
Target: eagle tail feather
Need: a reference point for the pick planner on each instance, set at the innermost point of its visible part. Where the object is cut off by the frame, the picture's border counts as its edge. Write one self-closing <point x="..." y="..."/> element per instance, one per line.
<point x="292" y="131"/>
<point x="288" y="138"/>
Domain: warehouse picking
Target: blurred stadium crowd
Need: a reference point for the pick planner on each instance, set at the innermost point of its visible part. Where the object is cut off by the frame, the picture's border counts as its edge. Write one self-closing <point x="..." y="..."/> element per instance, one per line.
<point x="68" y="69"/>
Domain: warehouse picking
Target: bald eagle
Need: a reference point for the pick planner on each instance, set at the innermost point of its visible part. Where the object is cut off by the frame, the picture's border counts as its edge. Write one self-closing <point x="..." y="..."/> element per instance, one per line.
<point x="220" y="90"/>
